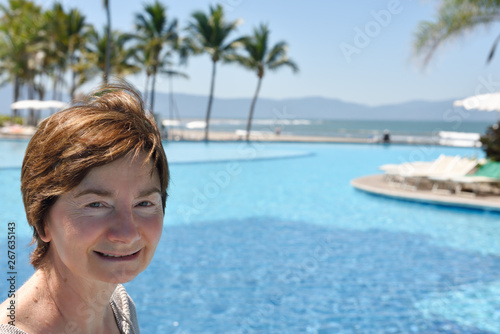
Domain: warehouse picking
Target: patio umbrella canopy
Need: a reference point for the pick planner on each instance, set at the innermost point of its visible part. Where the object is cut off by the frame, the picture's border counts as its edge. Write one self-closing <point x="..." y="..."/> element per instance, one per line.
<point x="485" y="102"/>
<point x="37" y="104"/>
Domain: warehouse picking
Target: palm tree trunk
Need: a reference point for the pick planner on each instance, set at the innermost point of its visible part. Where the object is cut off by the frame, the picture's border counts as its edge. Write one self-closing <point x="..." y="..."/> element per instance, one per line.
<point x="146" y="89"/>
<point x="54" y="86"/>
<point x="71" y="55"/>
<point x="72" y="88"/>
<point x="31" y="96"/>
<point x="153" y="84"/>
<point x="209" y="108"/>
<point x="73" y="85"/>
<point x="170" y="103"/>
<point x="108" y="43"/>
<point x="58" y="84"/>
<point x="252" y="107"/>
<point x="17" y="86"/>
<point x="41" y="97"/>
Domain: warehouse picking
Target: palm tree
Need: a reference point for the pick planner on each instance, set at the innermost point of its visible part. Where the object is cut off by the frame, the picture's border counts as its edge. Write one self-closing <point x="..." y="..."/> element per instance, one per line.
<point x="455" y="18"/>
<point x="21" y="43"/>
<point x="154" y="34"/>
<point x="142" y="57"/>
<point x="108" y="41"/>
<point x="56" y="38"/>
<point x="259" y="58"/>
<point x="12" y="48"/>
<point x="122" y="58"/>
<point x="36" y="45"/>
<point x="68" y="35"/>
<point x="77" y="35"/>
<point x="209" y="34"/>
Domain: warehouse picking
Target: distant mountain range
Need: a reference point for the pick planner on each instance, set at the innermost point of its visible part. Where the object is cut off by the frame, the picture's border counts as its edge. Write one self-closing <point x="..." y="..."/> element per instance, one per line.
<point x="194" y="106"/>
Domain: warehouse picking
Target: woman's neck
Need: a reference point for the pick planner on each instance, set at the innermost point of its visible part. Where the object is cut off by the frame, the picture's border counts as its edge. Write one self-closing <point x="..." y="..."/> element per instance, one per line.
<point x="78" y="303"/>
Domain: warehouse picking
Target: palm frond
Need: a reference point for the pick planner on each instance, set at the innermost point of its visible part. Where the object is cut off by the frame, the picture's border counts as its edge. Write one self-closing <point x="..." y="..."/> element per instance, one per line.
<point x="455" y="18"/>
<point x="172" y="73"/>
<point x="284" y="63"/>
<point x="208" y="33"/>
<point x="278" y="51"/>
<point x="246" y="62"/>
<point x="257" y="57"/>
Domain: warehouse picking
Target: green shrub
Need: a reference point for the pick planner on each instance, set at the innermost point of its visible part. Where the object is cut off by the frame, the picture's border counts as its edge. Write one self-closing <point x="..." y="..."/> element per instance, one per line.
<point x="491" y="142"/>
<point x="4" y="119"/>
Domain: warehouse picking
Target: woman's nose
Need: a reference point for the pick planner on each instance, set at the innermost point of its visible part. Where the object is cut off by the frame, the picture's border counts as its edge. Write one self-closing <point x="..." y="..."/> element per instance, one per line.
<point x="124" y="228"/>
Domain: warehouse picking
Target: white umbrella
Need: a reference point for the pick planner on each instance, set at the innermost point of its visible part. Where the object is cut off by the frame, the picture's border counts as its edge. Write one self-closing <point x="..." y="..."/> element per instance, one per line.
<point x="486" y="102"/>
<point x="37" y="104"/>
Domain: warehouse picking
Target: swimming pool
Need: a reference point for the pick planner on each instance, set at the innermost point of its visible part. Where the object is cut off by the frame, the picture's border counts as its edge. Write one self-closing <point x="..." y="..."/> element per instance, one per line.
<point x="271" y="238"/>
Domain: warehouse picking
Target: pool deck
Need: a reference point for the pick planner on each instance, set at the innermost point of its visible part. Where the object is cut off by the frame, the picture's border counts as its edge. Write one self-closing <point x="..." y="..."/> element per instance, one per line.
<point x="196" y="135"/>
<point x="220" y="136"/>
<point x="262" y="136"/>
<point x="375" y="184"/>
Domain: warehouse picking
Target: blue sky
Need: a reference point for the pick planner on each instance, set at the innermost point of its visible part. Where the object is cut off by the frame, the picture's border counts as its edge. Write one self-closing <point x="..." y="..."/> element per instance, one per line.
<point x="378" y="69"/>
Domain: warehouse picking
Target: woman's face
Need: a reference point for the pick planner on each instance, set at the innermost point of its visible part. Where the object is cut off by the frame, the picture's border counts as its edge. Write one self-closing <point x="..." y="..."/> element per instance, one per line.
<point x="107" y="228"/>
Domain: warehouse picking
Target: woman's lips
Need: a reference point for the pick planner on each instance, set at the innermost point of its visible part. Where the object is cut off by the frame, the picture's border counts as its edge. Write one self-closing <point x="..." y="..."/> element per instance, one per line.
<point x="118" y="257"/>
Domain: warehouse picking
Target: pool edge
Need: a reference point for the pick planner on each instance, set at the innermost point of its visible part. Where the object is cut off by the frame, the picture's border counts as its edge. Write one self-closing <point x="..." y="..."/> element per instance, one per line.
<point x="374" y="184"/>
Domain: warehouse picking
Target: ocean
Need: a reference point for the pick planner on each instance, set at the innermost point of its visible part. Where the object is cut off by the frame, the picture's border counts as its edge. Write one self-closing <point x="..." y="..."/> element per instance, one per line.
<point x="402" y="131"/>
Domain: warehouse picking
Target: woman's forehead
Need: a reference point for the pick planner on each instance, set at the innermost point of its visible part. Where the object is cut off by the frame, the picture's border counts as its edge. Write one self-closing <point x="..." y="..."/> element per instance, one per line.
<point x="128" y="169"/>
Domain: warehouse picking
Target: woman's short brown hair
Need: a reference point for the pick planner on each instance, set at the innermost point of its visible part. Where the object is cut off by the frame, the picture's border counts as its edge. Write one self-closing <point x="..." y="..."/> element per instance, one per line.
<point x="105" y="126"/>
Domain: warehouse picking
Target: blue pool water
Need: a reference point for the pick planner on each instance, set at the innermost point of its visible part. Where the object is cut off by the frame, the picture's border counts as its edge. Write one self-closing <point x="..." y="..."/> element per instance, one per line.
<point x="271" y="238"/>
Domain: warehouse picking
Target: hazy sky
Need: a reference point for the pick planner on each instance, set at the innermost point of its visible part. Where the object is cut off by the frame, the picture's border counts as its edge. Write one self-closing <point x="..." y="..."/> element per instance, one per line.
<point x="357" y="51"/>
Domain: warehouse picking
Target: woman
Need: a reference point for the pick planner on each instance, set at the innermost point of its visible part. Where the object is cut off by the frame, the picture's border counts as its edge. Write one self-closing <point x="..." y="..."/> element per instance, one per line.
<point x="94" y="183"/>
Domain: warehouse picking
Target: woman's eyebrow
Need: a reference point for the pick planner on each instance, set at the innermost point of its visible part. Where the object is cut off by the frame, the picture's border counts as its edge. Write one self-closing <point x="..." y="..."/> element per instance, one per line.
<point x="94" y="191"/>
<point x="106" y="193"/>
<point x="149" y="191"/>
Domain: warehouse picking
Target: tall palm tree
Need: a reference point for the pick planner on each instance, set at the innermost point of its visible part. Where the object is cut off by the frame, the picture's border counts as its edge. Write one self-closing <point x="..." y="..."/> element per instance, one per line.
<point x="165" y="64"/>
<point x="155" y="32"/>
<point x="77" y="34"/>
<point x="259" y="57"/>
<point x="454" y="19"/>
<point x="209" y="34"/>
<point x="142" y="57"/>
<point x="56" y="37"/>
<point x="122" y="58"/>
<point x="108" y="40"/>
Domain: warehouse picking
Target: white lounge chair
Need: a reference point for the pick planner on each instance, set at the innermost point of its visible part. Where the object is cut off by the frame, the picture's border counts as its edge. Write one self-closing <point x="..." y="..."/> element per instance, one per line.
<point x="444" y="182"/>
<point x="412" y="176"/>
<point x="487" y="176"/>
<point x="396" y="173"/>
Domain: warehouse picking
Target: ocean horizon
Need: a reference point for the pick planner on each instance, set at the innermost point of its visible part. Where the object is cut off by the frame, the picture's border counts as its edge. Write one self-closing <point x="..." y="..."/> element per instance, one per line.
<point x="337" y="128"/>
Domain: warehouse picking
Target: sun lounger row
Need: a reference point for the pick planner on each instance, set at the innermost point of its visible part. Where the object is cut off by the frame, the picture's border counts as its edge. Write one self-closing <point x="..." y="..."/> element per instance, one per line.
<point x="486" y="177"/>
<point x="412" y="174"/>
<point x="446" y="173"/>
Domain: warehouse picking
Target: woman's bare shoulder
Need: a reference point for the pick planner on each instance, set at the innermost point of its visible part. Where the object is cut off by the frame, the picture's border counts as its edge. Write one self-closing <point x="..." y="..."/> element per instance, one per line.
<point x="21" y="308"/>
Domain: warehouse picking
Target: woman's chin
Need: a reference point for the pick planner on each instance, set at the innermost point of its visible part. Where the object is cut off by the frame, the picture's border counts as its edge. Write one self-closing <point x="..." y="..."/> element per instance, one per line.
<point x="120" y="277"/>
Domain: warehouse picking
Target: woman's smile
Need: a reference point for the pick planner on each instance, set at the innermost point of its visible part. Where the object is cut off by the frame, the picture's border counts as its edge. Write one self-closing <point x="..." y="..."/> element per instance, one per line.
<point x="119" y="257"/>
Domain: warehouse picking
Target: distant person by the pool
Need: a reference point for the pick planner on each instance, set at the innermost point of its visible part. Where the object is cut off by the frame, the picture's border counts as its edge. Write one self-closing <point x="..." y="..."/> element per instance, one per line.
<point x="386" y="137"/>
<point x="94" y="184"/>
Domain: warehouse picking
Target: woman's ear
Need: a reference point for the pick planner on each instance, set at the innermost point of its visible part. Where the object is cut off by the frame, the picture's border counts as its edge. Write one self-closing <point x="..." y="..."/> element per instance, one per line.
<point x="45" y="236"/>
